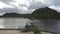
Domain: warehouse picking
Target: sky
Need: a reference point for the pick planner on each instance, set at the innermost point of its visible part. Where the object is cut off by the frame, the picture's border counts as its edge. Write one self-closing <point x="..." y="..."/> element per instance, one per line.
<point x="27" y="6"/>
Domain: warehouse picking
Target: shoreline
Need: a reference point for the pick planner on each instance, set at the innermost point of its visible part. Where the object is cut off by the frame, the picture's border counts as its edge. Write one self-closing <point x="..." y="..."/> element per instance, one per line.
<point x="17" y="30"/>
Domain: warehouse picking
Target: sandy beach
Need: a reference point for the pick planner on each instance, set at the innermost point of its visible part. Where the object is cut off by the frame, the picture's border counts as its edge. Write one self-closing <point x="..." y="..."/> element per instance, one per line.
<point x="3" y="31"/>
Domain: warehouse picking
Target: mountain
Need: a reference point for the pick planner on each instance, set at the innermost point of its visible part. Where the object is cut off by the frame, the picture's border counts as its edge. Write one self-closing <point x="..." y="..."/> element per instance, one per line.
<point x="40" y="13"/>
<point x="45" y="13"/>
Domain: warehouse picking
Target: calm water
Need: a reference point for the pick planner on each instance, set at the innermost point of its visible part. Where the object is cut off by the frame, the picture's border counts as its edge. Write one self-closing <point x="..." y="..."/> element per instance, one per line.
<point x="43" y="24"/>
<point x="13" y="22"/>
<point x="52" y="25"/>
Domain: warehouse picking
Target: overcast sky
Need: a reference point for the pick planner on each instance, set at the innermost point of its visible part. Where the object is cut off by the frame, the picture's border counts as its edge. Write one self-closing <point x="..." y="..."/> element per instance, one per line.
<point x="27" y="6"/>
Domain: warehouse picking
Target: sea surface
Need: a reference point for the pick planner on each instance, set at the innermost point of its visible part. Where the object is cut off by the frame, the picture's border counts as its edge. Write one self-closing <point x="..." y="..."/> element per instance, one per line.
<point x="52" y="25"/>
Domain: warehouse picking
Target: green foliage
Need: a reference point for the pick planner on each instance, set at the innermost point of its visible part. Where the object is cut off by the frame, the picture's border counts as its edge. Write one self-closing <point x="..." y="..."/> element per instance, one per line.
<point x="44" y="13"/>
<point x="11" y="15"/>
<point x="35" y="30"/>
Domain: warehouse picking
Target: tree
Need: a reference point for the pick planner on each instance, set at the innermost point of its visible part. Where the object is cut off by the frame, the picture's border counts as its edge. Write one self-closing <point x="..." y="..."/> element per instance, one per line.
<point x="44" y="13"/>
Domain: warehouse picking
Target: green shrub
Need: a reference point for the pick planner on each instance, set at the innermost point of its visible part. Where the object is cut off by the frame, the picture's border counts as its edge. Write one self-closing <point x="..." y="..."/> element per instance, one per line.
<point x="36" y="30"/>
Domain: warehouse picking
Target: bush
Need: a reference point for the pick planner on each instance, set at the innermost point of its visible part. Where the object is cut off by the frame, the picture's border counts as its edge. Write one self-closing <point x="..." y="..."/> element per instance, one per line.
<point x="36" y="30"/>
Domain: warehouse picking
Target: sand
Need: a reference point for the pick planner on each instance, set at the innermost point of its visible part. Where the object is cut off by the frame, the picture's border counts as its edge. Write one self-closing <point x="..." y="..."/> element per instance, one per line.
<point x="19" y="32"/>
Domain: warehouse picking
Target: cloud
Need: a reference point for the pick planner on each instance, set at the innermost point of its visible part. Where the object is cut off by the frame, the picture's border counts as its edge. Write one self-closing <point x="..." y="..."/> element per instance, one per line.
<point x="27" y="6"/>
<point x="36" y="5"/>
<point x="54" y="4"/>
<point x="10" y="10"/>
<point x="6" y="1"/>
<point x="3" y="5"/>
<point x="55" y="7"/>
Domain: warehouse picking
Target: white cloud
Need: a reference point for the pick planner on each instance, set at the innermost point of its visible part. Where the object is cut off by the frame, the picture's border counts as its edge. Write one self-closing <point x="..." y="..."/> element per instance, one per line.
<point x="20" y="3"/>
<point x="28" y="6"/>
<point x="3" y="5"/>
<point x="55" y="8"/>
<point x="54" y="4"/>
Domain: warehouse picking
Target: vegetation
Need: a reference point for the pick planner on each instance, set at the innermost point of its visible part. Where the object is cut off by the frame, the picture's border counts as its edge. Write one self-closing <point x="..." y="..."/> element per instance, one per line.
<point x="40" y="13"/>
<point x="45" y="13"/>
<point x="11" y="15"/>
<point x="16" y="15"/>
<point x="36" y="30"/>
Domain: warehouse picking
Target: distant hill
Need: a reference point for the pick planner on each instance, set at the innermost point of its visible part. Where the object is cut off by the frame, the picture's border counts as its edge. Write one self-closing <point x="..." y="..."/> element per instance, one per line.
<point x="16" y="15"/>
<point x="39" y="13"/>
<point x="45" y="13"/>
<point x="11" y="15"/>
